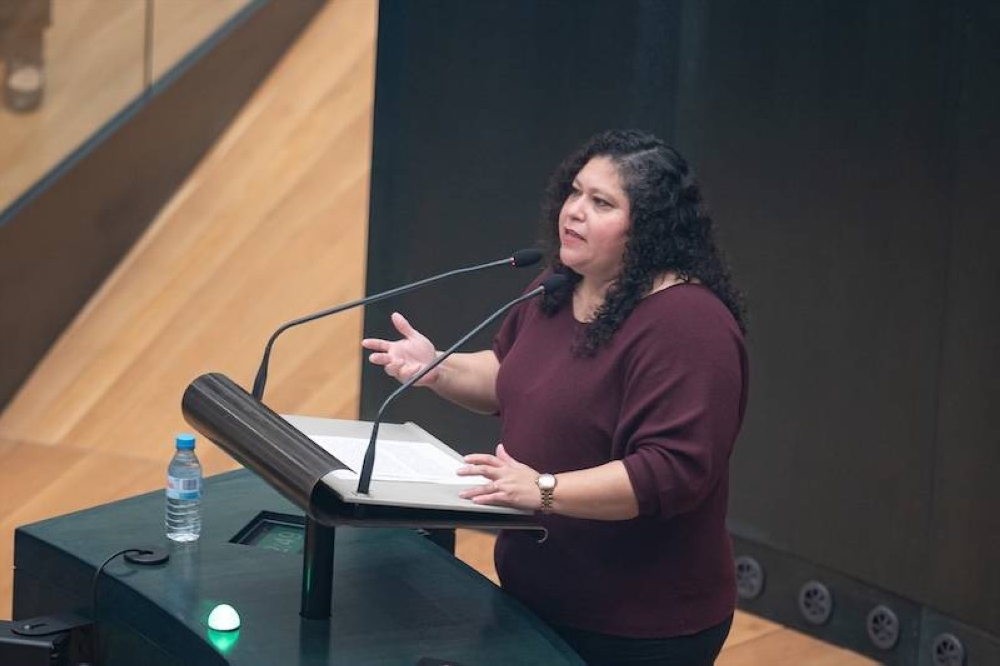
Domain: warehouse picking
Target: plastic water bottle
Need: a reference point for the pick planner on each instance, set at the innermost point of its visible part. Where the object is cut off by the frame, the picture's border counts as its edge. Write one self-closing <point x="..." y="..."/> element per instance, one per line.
<point x="183" y="517"/>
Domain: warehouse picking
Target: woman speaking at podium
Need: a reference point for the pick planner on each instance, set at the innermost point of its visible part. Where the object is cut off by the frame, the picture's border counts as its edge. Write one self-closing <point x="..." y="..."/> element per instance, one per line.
<point x="620" y="398"/>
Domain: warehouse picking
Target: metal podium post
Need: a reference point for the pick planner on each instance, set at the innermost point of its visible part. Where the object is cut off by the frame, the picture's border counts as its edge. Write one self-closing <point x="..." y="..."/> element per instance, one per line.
<point x="317" y="571"/>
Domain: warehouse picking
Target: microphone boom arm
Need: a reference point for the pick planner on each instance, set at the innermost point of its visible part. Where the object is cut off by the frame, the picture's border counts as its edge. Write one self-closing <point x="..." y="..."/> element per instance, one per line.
<point x="261" y="379"/>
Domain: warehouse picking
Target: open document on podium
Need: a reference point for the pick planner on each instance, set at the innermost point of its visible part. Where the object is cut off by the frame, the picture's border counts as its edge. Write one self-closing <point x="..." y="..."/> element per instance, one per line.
<point x="413" y="468"/>
<point x="397" y="460"/>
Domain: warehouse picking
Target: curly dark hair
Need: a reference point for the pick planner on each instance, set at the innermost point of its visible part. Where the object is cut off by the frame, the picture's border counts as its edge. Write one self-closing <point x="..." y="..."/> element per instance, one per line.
<point x="669" y="231"/>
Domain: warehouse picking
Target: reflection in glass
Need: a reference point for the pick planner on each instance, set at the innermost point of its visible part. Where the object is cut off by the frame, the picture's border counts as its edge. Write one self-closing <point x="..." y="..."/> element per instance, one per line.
<point x="22" y="30"/>
<point x="179" y="26"/>
<point x="70" y="66"/>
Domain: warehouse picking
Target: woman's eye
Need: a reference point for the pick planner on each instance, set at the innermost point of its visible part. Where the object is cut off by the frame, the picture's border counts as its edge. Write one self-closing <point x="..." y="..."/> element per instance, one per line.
<point x="602" y="203"/>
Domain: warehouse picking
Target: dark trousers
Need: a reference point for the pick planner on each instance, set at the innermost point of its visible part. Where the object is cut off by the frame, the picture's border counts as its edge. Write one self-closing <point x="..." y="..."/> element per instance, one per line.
<point x="699" y="649"/>
<point x="22" y="23"/>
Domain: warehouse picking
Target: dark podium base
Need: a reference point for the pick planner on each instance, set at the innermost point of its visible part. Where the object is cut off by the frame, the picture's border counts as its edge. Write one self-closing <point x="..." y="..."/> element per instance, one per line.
<point x="397" y="598"/>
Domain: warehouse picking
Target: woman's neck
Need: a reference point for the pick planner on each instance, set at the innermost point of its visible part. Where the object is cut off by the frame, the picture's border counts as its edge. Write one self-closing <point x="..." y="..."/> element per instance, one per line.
<point x="590" y="294"/>
<point x="589" y="297"/>
<point x="669" y="279"/>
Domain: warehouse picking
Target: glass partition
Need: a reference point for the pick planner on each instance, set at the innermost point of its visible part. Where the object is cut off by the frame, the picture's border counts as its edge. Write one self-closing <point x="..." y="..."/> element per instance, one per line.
<point x="70" y="66"/>
<point x="180" y="26"/>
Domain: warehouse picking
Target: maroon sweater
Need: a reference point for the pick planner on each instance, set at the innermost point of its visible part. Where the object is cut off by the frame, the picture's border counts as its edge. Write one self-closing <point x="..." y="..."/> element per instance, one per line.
<point x="666" y="397"/>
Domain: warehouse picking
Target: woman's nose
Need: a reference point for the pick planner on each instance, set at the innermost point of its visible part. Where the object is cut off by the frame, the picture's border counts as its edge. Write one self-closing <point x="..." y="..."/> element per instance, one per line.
<point x="574" y="208"/>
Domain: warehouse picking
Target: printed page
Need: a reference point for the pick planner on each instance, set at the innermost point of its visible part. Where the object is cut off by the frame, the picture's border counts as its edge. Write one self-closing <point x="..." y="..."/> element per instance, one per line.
<point x="397" y="460"/>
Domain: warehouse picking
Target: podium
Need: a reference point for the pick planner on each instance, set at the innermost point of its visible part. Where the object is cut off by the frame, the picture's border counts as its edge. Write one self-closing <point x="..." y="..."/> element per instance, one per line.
<point x="307" y="475"/>
<point x="397" y="597"/>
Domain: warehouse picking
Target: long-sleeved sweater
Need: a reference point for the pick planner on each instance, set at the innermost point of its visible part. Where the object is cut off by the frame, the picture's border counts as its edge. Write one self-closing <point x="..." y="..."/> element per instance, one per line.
<point x="666" y="397"/>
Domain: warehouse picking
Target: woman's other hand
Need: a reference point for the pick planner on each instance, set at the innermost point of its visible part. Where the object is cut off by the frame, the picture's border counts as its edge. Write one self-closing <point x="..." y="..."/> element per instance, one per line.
<point x="597" y="493"/>
<point x="511" y="483"/>
<point x="405" y="357"/>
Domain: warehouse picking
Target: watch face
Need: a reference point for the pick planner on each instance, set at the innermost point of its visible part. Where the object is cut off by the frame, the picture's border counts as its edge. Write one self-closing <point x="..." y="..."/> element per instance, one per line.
<point x="546" y="482"/>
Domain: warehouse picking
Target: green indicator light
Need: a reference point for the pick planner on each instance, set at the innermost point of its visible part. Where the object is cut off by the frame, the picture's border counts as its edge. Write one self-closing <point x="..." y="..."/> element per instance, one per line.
<point x="224" y="618"/>
<point x="223" y="641"/>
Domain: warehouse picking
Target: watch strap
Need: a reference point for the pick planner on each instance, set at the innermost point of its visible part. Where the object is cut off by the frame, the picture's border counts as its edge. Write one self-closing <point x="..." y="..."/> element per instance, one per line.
<point x="546" y="486"/>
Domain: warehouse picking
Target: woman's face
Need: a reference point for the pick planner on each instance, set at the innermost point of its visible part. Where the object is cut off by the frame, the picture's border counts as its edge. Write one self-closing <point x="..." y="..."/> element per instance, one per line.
<point x="594" y="222"/>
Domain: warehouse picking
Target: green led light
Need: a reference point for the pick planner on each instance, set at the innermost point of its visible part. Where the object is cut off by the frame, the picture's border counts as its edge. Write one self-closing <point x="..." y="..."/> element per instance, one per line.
<point x="223" y="641"/>
<point x="224" y="618"/>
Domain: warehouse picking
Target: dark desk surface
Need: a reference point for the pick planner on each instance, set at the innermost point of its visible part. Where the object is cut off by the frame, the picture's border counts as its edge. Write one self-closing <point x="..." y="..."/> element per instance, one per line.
<point x="397" y="598"/>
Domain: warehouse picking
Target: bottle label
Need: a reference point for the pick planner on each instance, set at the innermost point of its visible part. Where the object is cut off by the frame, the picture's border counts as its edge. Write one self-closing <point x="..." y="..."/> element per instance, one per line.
<point x="183" y="489"/>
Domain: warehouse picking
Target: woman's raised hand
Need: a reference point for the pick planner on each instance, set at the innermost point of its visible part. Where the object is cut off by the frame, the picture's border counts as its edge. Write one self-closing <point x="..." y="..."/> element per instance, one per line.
<point x="403" y="358"/>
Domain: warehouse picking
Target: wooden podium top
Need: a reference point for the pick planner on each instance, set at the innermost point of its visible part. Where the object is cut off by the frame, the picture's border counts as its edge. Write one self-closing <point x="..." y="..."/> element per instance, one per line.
<point x="397" y="597"/>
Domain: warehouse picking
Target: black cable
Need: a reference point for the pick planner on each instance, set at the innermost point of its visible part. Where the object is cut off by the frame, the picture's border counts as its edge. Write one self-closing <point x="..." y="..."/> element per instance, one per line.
<point x="93" y="596"/>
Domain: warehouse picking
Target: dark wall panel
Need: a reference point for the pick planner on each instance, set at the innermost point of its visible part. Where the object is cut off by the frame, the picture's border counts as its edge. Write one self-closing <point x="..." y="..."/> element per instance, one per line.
<point x="964" y="538"/>
<point x="817" y="129"/>
<point x="847" y="152"/>
<point x="476" y="103"/>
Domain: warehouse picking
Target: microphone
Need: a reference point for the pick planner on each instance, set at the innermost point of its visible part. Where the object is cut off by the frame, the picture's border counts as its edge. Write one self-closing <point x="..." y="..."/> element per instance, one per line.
<point x="552" y="283"/>
<point x="519" y="259"/>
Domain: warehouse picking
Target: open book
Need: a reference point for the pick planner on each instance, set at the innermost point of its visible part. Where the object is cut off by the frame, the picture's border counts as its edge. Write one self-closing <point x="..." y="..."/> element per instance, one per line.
<point x="412" y="467"/>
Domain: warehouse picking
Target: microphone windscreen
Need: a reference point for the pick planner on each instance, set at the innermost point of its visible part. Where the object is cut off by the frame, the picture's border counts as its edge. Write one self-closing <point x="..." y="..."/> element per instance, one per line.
<point x="527" y="257"/>
<point x="554" y="282"/>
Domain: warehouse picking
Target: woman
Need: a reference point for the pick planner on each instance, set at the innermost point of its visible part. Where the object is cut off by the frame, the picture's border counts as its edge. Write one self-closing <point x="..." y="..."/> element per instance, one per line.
<point x="620" y="401"/>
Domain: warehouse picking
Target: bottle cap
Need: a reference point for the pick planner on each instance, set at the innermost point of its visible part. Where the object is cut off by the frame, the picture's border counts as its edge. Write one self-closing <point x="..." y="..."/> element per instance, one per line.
<point x="185" y="441"/>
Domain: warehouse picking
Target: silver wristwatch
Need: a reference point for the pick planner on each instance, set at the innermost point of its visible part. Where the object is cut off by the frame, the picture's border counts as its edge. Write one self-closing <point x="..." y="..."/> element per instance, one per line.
<point x="547" y="485"/>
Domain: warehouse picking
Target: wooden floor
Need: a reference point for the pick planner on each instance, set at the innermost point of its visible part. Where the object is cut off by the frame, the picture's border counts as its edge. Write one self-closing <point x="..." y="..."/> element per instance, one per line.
<point x="271" y="225"/>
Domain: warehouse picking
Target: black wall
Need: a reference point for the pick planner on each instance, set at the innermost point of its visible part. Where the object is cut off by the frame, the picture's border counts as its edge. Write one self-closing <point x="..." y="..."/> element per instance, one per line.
<point x="964" y="525"/>
<point x="847" y="151"/>
<point x="849" y="147"/>
<point x="823" y="132"/>
<point x="476" y="102"/>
